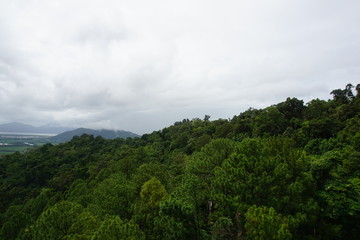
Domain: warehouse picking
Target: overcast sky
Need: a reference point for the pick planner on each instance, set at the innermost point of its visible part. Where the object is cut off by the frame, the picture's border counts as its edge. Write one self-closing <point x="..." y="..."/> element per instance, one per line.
<point x="141" y="65"/>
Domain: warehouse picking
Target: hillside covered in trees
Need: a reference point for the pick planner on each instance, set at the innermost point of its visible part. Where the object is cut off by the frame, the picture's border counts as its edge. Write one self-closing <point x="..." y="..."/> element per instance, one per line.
<point x="288" y="171"/>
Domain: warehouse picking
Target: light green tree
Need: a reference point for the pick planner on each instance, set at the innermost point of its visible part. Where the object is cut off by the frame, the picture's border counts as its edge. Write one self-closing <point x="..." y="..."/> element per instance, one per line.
<point x="152" y="193"/>
<point x="65" y="220"/>
<point x="263" y="223"/>
<point x="114" y="228"/>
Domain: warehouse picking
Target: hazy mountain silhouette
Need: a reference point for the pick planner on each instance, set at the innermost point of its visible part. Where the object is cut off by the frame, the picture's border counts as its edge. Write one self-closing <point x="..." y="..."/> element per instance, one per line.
<point x="108" y="134"/>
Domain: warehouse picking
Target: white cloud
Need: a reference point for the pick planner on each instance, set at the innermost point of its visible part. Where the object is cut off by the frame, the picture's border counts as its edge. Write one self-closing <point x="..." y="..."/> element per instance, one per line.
<point x="142" y="65"/>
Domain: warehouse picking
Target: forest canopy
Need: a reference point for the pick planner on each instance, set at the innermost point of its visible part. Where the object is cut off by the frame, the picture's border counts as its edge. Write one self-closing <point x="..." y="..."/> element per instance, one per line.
<point x="288" y="171"/>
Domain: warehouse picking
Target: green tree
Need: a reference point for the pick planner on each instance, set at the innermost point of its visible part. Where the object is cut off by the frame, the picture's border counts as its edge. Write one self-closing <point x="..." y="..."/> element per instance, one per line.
<point x="15" y="220"/>
<point x="114" y="228"/>
<point x="152" y="193"/>
<point x="316" y="108"/>
<point x="268" y="172"/>
<point x="65" y="220"/>
<point x="202" y="141"/>
<point x="148" y="170"/>
<point x="338" y="189"/>
<point x="114" y="196"/>
<point x="223" y="130"/>
<point x="176" y="220"/>
<point x="343" y="96"/>
<point x="291" y="108"/>
<point x="271" y="122"/>
<point x="264" y="223"/>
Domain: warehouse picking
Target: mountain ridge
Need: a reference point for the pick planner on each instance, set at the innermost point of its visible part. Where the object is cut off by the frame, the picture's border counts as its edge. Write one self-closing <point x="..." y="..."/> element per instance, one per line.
<point x="105" y="133"/>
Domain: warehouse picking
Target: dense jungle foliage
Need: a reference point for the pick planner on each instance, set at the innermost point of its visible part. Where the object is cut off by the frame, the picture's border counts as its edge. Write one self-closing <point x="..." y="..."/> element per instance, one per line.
<point x="289" y="171"/>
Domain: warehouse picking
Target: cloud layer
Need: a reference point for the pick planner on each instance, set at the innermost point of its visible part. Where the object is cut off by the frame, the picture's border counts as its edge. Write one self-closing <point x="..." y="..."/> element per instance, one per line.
<point x="142" y="65"/>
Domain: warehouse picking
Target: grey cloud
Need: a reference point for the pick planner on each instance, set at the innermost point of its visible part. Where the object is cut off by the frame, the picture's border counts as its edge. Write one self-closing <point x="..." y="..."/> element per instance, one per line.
<point x="135" y="66"/>
<point x="98" y="34"/>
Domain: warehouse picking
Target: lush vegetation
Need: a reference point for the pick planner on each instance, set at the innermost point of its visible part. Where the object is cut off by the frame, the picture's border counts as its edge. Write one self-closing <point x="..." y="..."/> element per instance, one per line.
<point x="289" y="171"/>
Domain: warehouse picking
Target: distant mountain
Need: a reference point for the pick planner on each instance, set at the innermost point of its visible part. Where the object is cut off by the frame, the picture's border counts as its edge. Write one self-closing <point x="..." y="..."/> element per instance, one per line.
<point x="24" y="128"/>
<point x="108" y="134"/>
